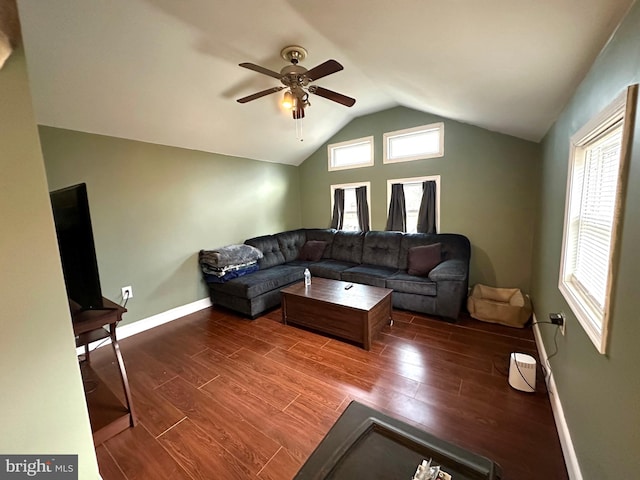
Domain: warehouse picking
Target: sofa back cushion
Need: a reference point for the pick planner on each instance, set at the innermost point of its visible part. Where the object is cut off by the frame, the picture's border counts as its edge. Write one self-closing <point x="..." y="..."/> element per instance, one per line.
<point x="323" y="235"/>
<point x="312" y="251"/>
<point x="347" y="246"/>
<point x="290" y="243"/>
<point x="268" y="245"/>
<point x="453" y="246"/>
<point x="421" y="260"/>
<point x="381" y="248"/>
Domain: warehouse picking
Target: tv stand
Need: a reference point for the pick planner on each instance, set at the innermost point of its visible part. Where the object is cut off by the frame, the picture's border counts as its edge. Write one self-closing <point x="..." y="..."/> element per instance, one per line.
<point x="108" y="415"/>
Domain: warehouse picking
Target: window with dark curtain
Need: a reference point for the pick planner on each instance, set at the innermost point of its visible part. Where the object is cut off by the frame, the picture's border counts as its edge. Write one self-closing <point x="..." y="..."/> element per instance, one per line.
<point x="338" y="209"/>
<point x="363" y="208"/>
<point x="397" y="219"/>
<point x="427" y="213"/>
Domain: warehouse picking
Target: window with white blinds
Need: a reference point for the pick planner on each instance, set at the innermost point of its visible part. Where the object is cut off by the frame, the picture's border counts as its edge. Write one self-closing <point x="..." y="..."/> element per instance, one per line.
<point x="594" y="196"/>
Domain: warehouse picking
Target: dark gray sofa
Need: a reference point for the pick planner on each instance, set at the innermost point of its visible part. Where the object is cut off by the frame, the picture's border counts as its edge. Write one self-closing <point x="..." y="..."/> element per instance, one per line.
<point x="373" y="258"/>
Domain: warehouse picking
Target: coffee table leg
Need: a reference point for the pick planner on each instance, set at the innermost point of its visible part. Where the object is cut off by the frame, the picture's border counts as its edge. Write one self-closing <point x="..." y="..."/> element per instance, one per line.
<point x="284" y="309"/>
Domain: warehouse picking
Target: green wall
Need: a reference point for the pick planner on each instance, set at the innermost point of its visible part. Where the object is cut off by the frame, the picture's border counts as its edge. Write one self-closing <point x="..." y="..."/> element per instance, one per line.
<point x="154" y="207"/>
<point x="600" y="394"/>
<point x="42" y="405"/>
<point x="488" y="189"/>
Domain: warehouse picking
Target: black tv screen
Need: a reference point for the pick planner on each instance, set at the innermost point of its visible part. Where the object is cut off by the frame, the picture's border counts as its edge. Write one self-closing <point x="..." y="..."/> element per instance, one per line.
<point x="77" y="250"/>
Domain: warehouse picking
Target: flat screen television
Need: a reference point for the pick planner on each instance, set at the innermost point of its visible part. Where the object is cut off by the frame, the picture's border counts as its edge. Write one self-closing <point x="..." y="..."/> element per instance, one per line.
<point x="77" y="249"/>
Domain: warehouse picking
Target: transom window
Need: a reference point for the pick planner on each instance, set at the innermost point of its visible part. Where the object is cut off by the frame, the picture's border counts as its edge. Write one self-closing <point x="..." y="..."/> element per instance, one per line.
<point x="351" y="154"/>
<point x="597" y="176"/>
<point x="426" y="141"/>
<point x="413" y="197"/>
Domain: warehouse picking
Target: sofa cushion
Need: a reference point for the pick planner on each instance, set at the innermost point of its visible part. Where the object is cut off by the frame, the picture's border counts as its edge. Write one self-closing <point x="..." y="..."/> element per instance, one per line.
<point x="260" y="282"/>
<point x="405" y="283"/>
<point x="453" y="246"/>
<point x="421" y="260"/>
<point x="330" y="268"/>
<point x="312" y="250"/>
<point x="374" y="275"/>
<point x="381" y="248"/>
<point x="268" y="245"/>
<point x="450" y="271"/>
<point x="323" y="235"/>
<point x="290" y="243"/>
<point x="347" y="246"/>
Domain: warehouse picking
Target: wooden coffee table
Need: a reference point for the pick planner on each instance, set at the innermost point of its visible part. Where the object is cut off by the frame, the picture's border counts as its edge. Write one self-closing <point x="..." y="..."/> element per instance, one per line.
<point x="357" y="313"/>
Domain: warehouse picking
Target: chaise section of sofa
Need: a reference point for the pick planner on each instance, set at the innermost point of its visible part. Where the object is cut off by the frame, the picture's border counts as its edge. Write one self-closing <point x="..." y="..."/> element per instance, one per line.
<point x="259" y="291"/>
<point x="373" y="258"/>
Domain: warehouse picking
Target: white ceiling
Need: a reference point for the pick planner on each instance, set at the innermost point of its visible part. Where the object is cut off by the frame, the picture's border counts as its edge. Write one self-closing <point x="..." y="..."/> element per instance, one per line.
<point x="166" y="71"/>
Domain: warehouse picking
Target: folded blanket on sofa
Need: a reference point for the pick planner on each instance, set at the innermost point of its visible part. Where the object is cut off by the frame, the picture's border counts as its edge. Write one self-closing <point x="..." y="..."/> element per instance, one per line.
<point x="229" y="255"/>
<point x="221" y="271"/>
<point x="230" y="274"/>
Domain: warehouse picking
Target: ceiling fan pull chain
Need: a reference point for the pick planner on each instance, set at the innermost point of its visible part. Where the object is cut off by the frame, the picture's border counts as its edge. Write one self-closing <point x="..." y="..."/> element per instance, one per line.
<point x="298" y="122"/>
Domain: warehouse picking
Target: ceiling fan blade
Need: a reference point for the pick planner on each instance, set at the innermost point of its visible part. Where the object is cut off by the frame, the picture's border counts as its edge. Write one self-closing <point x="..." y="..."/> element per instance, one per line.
<point x="259" y="69"/>
<point x="331" y="95"/>
<point x="263" y="93"/>
<point x="324" y="69"/>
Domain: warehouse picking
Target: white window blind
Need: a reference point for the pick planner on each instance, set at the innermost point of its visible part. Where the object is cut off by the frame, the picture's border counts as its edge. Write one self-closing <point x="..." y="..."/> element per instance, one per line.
<point x="597" y="176"/>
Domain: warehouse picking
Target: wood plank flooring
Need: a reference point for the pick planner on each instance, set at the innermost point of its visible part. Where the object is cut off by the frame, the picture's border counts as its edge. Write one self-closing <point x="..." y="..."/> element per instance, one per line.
<point x="222" y="397"/>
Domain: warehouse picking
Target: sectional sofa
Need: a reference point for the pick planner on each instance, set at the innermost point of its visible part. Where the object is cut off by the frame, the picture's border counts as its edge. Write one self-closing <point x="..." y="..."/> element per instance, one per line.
<point x="384" y="259"/>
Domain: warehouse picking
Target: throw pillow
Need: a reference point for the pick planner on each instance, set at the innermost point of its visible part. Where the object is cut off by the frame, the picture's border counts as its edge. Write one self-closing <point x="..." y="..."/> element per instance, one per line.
<point x="421" y="260"/>
<point x="312" y="250"/>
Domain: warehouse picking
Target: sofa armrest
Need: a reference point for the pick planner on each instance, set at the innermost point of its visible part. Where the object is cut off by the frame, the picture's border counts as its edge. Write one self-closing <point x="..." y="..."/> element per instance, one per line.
<point x="452" y="270"/>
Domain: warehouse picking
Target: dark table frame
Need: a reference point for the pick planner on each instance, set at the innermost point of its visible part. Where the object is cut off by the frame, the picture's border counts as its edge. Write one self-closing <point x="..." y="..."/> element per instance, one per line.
<point x="107" y="413"/>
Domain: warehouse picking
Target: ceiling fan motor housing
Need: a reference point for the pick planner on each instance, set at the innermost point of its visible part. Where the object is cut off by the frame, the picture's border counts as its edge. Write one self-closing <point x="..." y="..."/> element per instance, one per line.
<point x="294" y="53"/>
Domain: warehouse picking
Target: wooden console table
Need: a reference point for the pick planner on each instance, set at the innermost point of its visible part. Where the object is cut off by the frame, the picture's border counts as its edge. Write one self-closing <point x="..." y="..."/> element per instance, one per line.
<point x="108" y="415"/>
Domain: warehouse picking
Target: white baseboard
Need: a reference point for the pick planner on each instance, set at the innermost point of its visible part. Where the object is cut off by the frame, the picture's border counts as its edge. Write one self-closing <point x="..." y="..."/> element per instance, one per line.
<point x="151" y="322"/>
<point x="570" y="458"/>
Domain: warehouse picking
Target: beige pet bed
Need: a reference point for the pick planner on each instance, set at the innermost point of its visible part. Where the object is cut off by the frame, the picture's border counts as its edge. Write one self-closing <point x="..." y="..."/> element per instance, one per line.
<point x="508" y="306"/>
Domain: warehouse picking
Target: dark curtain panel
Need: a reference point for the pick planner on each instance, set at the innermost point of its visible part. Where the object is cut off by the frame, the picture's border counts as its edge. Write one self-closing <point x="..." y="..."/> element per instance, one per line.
<point x="427" y="212"/>
<point x="363" y="208"/>
<point x="397" y="219"/>
<point x="338" y="209"/>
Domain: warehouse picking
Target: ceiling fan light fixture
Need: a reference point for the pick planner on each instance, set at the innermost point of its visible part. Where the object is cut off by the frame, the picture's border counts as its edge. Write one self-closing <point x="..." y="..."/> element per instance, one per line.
<point x="287" y="101"/>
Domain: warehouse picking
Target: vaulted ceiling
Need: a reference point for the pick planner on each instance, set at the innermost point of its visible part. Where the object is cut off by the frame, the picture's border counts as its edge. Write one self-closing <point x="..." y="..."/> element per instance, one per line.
<point x="166" y="71"/>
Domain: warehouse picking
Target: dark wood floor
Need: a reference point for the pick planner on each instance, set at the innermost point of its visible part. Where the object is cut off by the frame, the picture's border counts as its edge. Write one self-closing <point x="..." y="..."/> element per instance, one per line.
<point x="221" y="397"/>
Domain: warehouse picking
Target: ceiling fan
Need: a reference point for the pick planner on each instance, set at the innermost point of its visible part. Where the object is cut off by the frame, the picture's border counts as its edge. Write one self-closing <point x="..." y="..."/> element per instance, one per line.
<point x="296" y="80"/>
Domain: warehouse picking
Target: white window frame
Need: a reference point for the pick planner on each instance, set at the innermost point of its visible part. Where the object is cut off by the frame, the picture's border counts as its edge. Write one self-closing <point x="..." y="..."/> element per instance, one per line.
<point x="435" y="178"/>
<point x="351" y="185"/>
<point x="389" y="136"/>
<point x="349" y="143"/>
<point x="620" y="113"/>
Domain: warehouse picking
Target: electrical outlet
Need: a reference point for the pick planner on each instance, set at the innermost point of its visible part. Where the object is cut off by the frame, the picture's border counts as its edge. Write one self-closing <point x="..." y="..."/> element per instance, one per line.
<point x="563" y="325"/>
<point x="127" y="292"/>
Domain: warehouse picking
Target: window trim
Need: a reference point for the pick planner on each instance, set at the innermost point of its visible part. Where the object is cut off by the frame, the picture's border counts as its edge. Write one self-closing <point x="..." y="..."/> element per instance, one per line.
<point x="347" y="143"/>
<point x="387" y="136"/>
<point x="621" y="110"/>
<point x="351" y="185"/>
<point x="435" y="178"/>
